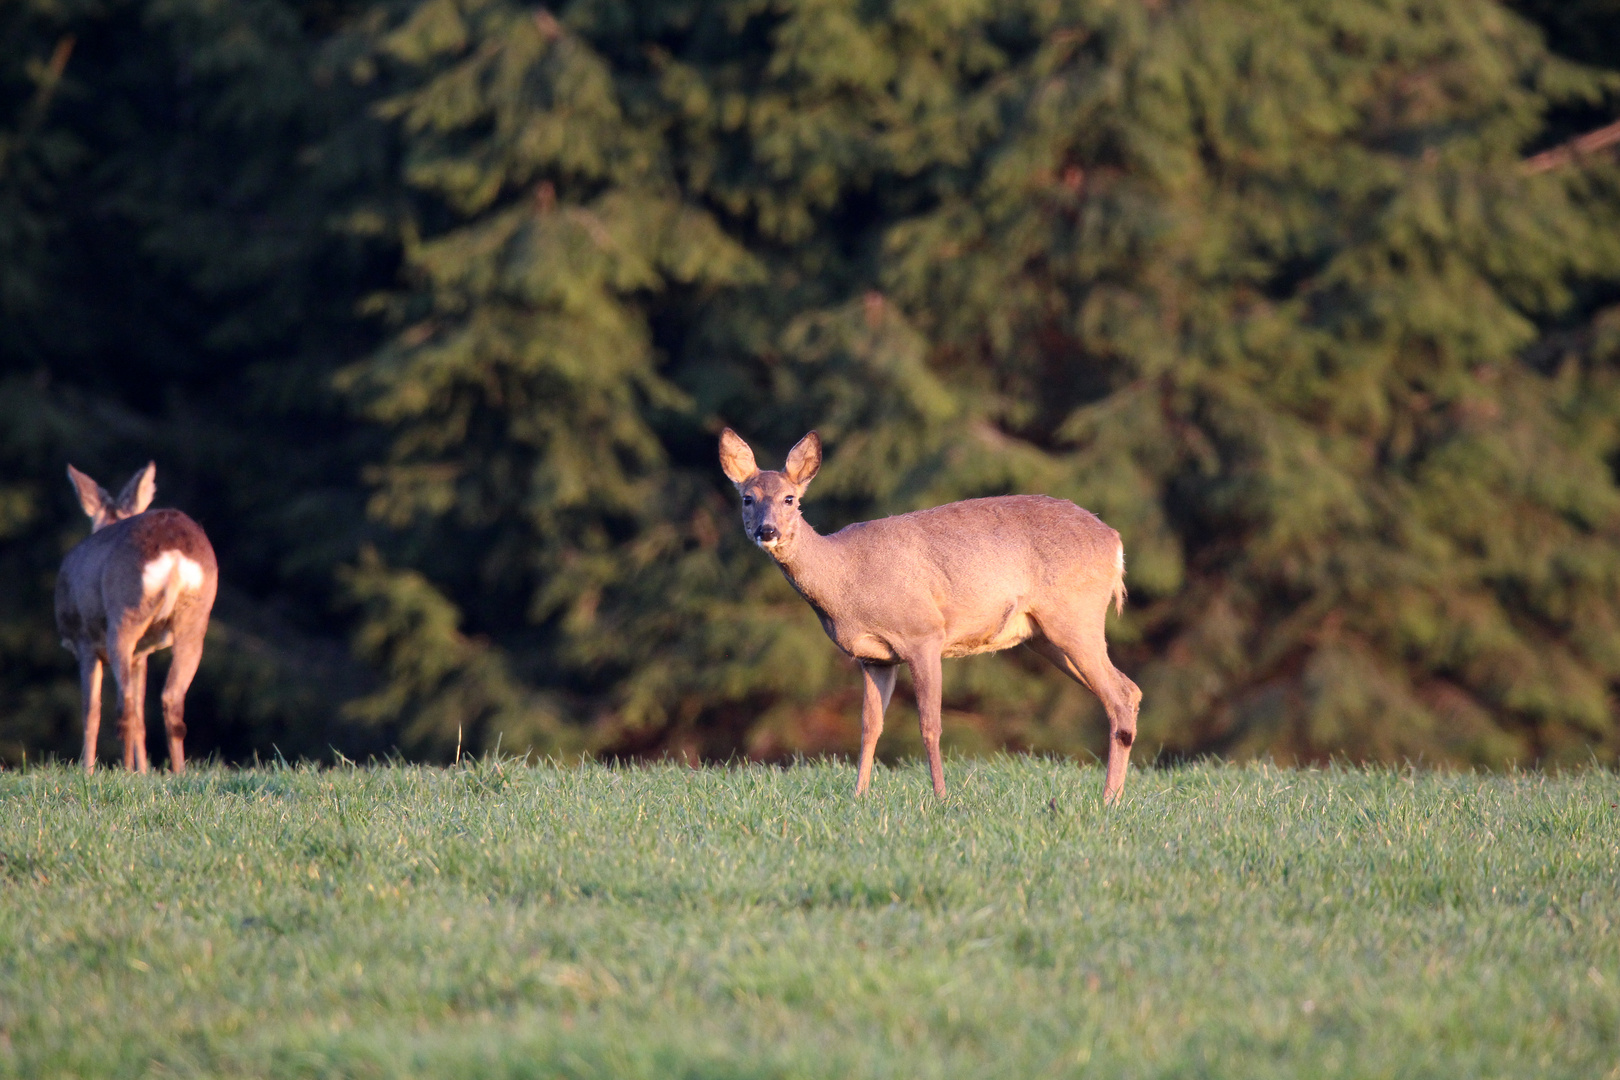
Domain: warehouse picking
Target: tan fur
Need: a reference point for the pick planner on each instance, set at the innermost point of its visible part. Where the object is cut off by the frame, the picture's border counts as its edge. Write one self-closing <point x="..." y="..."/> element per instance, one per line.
<point x="143" y="580"/>
<point x="964" y="578"/>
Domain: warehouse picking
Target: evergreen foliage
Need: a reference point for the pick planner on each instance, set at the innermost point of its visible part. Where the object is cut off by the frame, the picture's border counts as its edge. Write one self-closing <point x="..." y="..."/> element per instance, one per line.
<point x="430" y="310"/>
<point x="188" y="303"/>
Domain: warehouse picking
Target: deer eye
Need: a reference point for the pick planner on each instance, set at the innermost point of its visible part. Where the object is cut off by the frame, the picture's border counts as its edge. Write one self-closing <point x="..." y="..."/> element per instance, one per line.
<point x="787" y="498"/>
<point x="748" y="500"/>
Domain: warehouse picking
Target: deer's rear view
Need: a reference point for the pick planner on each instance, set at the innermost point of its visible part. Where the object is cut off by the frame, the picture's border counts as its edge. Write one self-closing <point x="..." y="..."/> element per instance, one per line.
<point x="964" y="578"/>
<point x="142" y="580"/>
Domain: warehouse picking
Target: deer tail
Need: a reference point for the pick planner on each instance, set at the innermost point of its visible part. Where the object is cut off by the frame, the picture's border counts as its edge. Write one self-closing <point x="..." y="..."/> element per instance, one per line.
<point x="167" y="593"/>
<point x="1119" y="579"/>
<point x="171" y="593"/>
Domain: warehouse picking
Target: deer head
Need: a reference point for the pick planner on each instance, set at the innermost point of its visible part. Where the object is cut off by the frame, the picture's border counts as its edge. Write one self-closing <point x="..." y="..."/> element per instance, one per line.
<point x="770" y="499"/>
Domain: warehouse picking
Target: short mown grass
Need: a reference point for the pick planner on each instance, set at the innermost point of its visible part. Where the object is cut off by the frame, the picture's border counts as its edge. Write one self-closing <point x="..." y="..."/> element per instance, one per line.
<point x="501" y="920"/>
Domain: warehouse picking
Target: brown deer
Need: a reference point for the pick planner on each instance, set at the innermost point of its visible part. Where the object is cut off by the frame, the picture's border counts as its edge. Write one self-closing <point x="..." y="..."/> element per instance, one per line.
<point x="142" y="580"/>
<point x="968" y="577"/>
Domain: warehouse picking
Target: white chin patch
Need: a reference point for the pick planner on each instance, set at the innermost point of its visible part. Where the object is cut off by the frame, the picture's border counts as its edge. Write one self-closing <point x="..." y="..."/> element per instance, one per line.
<point x="769" y="545"/>
<point x="155" y="574"/>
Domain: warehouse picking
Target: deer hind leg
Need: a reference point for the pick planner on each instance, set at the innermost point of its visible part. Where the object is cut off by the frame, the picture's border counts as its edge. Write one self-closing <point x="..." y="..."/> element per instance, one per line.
<point x="1122" y="733"/>
<point x="129" y="673"/>
<point x="188" y="649"/>
<point x="926" y="680"/>
<point x="90" y="702"/>
<point x="123" y="673"/>
<point x="879" y="684"/>
<point x="1078" y="648"/>
<point x="138" y="737"/>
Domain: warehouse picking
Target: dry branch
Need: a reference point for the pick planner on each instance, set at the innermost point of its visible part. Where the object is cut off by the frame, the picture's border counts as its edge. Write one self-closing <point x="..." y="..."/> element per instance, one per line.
<point x="1566" y="152"/>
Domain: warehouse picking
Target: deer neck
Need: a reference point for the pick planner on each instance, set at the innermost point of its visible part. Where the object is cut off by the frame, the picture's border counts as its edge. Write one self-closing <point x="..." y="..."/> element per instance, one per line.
<point x="813" y="565"/>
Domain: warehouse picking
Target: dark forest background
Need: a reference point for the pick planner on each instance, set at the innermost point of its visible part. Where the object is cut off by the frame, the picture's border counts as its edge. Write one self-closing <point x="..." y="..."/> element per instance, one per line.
<point x="430" y="311"/>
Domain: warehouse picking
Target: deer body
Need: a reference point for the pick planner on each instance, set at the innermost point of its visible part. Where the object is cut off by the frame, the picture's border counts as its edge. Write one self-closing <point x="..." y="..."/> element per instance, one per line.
<point x="971" y="574"/>
<point x="141" y="581"/>
<point x="969" y="577"/>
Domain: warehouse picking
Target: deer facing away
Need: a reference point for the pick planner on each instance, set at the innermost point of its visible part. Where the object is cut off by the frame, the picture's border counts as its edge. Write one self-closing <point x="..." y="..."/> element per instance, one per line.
<point x="142" y="580"/>
<point x="969" y="577"/>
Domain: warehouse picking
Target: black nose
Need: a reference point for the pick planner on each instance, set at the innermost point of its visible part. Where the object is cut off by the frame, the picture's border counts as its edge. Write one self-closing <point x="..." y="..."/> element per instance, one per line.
<point x="766" y="532"/>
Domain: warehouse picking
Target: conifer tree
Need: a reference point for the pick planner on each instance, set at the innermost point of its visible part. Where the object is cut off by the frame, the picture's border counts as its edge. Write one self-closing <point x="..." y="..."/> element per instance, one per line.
<point x="431" y="309"/>
<point x="1253" y="280"/>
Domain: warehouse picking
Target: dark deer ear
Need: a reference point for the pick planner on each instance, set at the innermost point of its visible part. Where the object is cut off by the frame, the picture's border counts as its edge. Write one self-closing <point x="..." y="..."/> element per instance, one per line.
<point x="137" y="494"/>
<point x="736" y="459"/>
<point x="804" y="460"/>
<point x="92" y="496"/>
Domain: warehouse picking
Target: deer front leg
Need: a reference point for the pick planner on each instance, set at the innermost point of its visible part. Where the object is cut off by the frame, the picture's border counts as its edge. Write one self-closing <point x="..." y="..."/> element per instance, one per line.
<point x="879" y="680"/>
<point x="90" y="702"/>
<point x="926" y="680"/>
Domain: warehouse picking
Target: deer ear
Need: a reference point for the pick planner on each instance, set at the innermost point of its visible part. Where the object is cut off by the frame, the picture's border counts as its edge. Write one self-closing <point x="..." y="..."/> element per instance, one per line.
<point x="736" y="459"/>
<point x="137" y="494"/>
<point x="804" y="460"/>
<point x="92" y="496"/>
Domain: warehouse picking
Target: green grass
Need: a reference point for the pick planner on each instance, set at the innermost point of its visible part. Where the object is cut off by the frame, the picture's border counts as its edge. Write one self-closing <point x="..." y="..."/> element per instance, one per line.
<point x="504" y="921"/>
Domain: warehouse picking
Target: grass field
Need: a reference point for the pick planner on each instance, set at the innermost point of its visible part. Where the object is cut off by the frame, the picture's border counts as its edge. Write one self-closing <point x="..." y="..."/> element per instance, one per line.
<point x="507" y="921"/>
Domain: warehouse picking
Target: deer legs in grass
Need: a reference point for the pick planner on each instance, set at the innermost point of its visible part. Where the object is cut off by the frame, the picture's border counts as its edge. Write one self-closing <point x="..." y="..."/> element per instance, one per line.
<point x="1119" y="695"/>
<point x="129" y="675"/>
<point x="879" y="680"/>
<point x="879" y="683"/>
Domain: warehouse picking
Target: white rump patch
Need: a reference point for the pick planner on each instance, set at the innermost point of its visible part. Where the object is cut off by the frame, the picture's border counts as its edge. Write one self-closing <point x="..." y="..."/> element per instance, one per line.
<point x="1119" y="559"/>
<point x="155" y="574"/>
